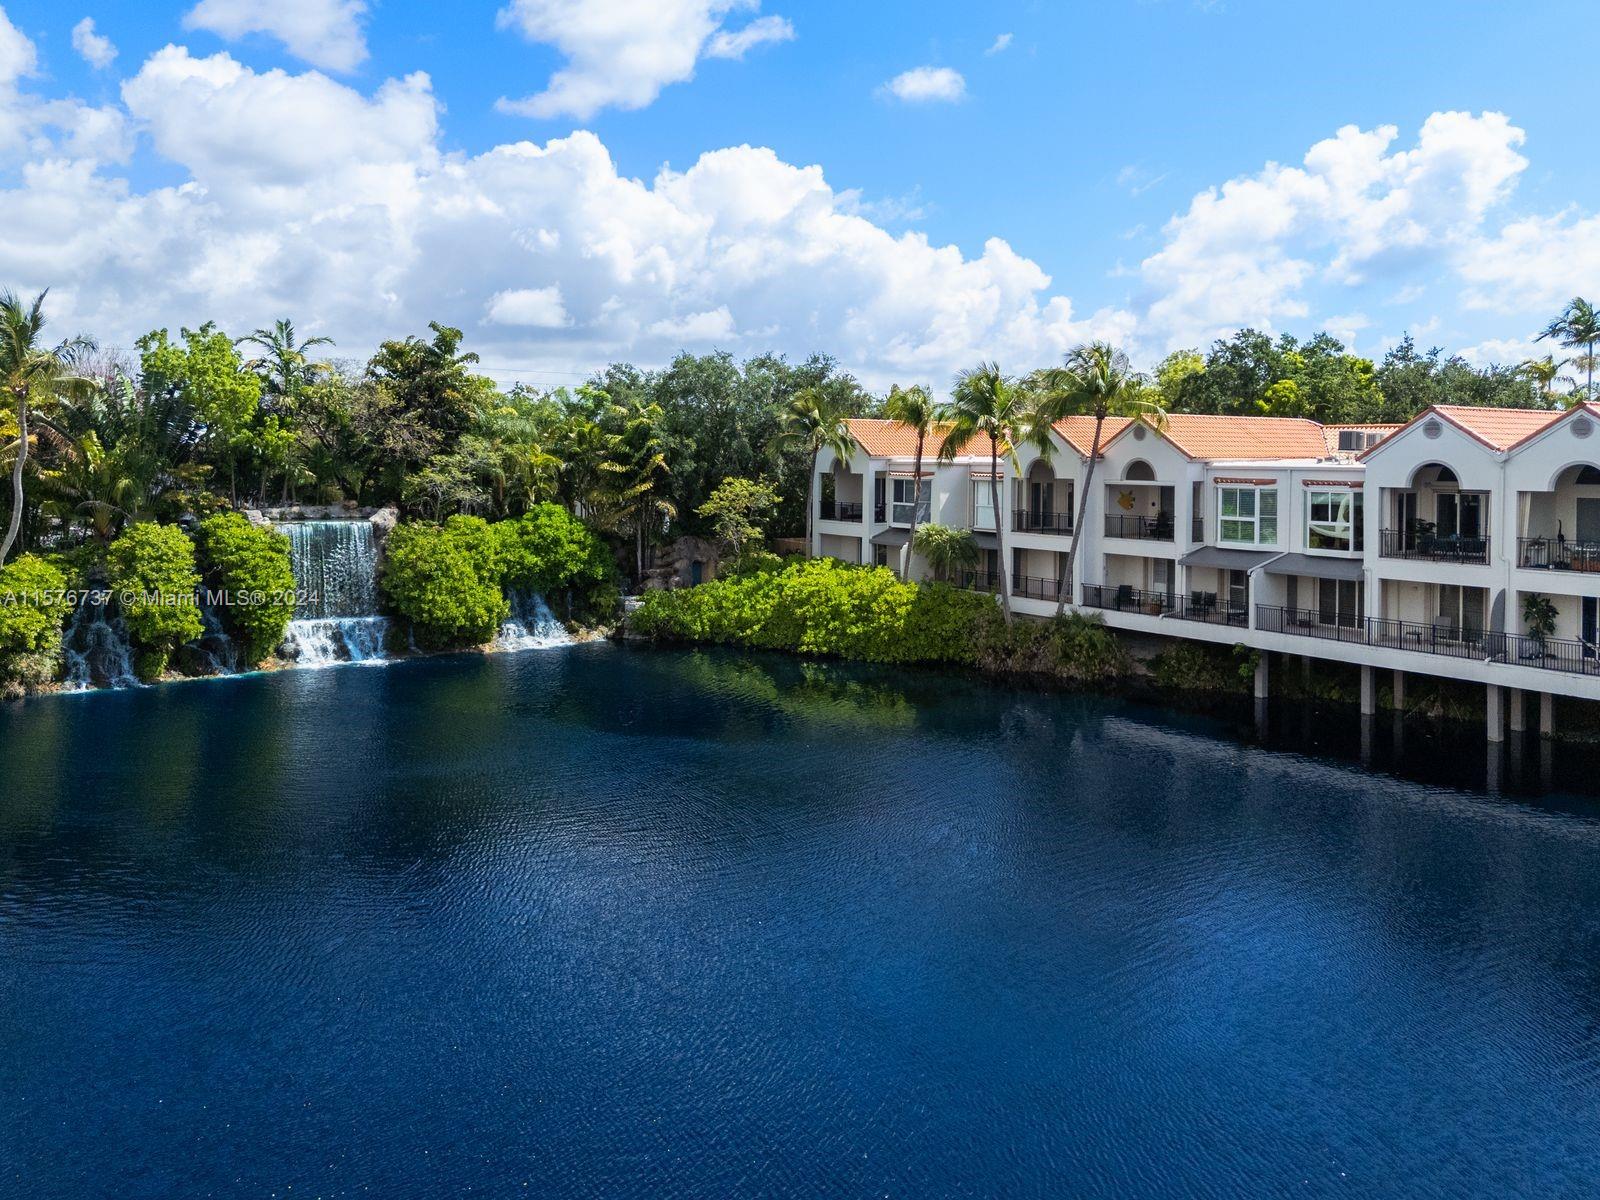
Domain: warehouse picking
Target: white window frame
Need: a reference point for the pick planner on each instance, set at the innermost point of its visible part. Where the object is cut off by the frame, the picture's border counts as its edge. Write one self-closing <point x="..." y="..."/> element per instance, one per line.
<point x="1261" y="526"/>
<point x="1344" y="521"/>
<point x="983" y="503"/>
<point x="900" y="509"/>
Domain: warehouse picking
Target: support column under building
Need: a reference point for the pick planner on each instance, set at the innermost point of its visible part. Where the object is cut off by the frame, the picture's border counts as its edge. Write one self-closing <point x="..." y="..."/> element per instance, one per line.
<point x="1261" y="676"/>
<point x="1494" y="710"/>
<point x="1369" y="691"/>
<point x="1547" y="714"/>
<point x="1399" y="687"/>
<point x="1518" y="713"/>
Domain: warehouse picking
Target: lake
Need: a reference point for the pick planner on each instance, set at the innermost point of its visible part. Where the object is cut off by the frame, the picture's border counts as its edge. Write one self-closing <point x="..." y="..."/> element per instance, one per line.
<point x="609" y="922"/>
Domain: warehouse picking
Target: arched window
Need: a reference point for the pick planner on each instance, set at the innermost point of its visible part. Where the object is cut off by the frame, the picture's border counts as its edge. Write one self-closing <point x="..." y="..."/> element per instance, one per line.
<point x="1139" y="471"/>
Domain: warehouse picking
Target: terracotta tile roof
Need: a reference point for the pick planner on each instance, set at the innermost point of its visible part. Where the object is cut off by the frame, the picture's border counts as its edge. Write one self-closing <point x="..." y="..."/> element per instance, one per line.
<point x="1500" y="428"/>
<point x="1211" y="438"/>
<point x="890" y="439"/>
<point x="1079" y="431"/>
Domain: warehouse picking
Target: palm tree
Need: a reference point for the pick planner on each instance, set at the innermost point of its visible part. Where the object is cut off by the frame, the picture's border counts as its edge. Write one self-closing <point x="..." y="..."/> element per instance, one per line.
<point x="987" y="403"/>
<point x="946" y="549"/>
<point x="1095" y="381"/>
<point x="33" y="375"/>
<point x="283" y="365"/>
<point x="1578" y="325"/>
<point x="914" y="408"/>
<point x="1544" y="373"/>
<point x="812" y="422"/>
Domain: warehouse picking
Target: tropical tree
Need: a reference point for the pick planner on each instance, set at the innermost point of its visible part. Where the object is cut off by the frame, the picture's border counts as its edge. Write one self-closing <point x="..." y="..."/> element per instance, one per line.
<point x="1097" y="381"/>
<point x="735" y="510"/>
<point x="283" y="364"/>
<point x="946" y="549"/>
<point x="1544" y="373"/>
<point x="32" y="375"/>
<point x="986" y="403"/>
<point x="638" y="484"/>
<point x="812" y="422"/>
<point x="1578" y="325"/>
<point x="914" y="408"/>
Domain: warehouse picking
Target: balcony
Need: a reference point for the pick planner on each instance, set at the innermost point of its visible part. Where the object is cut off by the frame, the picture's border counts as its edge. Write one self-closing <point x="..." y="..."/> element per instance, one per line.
<point x="1208" y="609"/>
<point x="1439" y="637"/>
<point x="1421" y="545"/>
<point x="834" y="510"/>
<point x="1158" y="528"/>
<point x="977" y="581"/>
<point x="880" y="512"/>
<point x="1031" y="521"/>
<point x="1125" y="597"/>
<point x="1558" y="554"/>
<point x="1032" y="587"/>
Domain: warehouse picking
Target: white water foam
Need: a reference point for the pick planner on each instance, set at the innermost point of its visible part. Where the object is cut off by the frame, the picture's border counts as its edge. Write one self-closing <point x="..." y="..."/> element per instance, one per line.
<point x="328" y="641"/>
<point x="531" y="625"/>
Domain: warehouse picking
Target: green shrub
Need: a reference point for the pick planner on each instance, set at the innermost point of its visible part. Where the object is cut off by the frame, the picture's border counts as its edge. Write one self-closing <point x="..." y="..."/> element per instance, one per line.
<point x="33" y="608"/>
<point x="1073" y="647"/>
<point x="446" y="580"/>
<point x="1202" y="667"/>
<point x="822" y="607"/>
<point x="153" y="576"/>
<point x="549" y="551"/>
<point x="251" y="565"/>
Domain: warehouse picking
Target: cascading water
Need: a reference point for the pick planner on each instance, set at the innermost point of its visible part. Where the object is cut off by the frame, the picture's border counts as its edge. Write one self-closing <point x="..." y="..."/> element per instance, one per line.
<point x="214" y="648"/>
<point x="96" y="653"/>
<point x="531" y="625"/>
<point x="336" y="571"/>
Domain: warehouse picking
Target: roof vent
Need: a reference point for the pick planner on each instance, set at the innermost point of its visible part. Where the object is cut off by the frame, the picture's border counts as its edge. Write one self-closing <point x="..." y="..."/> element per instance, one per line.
<point x="1582" y="427"/>
<point x="1432" y="429"/>
<point x="1138" y="433"/>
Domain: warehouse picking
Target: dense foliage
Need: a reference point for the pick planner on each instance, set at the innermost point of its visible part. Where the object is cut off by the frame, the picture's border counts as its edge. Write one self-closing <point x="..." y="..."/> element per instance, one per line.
<point x="549" y="551"/>
<point x="445" y="580"/>
<point x="250" y="565"/>
<point x="32" y="608"/>
<point x="153" y="577"/>
<point x="1202" y="667"/>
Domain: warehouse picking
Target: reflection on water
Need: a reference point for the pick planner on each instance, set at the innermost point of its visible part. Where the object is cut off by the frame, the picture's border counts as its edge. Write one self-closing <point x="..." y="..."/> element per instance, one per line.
<point x="648" y="924"/>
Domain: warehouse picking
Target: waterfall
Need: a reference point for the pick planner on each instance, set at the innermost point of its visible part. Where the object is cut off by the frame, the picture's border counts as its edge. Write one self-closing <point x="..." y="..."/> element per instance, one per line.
<point x="95" y="651"/>
<point x="531" y="625"/>
<point x="214" y="648"/>
<point x="336" y="572"/>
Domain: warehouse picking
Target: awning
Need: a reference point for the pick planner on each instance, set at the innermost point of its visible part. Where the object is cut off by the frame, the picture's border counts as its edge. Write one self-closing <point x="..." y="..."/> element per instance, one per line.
<point x="892" y="537"/>
<point x="1224" y="559"/>
<point x="908" y="473"/>
<point x="985" y="541"/>
<point x="1315" y="566"/>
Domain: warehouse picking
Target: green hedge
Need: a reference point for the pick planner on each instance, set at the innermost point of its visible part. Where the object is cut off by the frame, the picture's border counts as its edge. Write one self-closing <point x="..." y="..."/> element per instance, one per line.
<point x="549" y="551"/>
<point x="445" y="580"/>
<point x="251" y="565"/>
<point x="153" y="575"/>
<point x="820" y="606"/>
<point x="33" y="609"/>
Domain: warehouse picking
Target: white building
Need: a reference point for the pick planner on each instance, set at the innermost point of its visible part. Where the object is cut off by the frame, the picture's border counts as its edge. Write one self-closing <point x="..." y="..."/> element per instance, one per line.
<point x="1410" y="549"/>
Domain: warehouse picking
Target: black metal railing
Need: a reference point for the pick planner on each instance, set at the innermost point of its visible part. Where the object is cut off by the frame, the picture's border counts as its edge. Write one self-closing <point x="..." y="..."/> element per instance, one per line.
<point x="1207" y="607"/>
<point x="1126" y="598"/>
<point x="1034" y="587"/>
<point x="1029" y="520"/>
<point x="1551" y="654"/>
<point x="1558" y="554"/>
<point x="836" y="510"/>
<point x="1432" y="547"/>
<point x="1154" y="529"/>
<point x="977" y="581"/>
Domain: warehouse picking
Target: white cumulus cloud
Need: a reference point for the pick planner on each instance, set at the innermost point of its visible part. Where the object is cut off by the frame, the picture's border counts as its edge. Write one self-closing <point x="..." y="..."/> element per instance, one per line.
<point x="324" y="33"/>
<point x="999" y="46"/>
<point x="94" y="48"/>
<point x="923" y="85"/>
<point x="621" y="53"/>
<point x="537" y="308"/>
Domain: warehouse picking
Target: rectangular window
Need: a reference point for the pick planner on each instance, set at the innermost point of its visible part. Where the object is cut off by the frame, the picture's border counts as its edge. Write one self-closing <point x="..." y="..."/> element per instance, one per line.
<point x="905" y="496"/>
<point x="1333" y="520"/>
<point x="1247" y="515"/>
<point x="982" y="505"/>
<point x="1339" y="602"/>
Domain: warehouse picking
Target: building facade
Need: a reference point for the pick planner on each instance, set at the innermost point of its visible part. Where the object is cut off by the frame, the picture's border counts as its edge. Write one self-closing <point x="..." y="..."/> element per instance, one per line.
<point x="1464" y="544"/>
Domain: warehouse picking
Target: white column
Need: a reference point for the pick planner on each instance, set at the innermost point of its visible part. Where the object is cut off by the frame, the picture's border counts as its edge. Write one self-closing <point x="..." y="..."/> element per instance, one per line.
<point x="1518" y="721"/>
<point x="1399" y="691"/>
<point x="1261" y="676"/>
<point x="1494" y="706"/>
<point x="869" y="479"/>
<point x="1369" y="692"/>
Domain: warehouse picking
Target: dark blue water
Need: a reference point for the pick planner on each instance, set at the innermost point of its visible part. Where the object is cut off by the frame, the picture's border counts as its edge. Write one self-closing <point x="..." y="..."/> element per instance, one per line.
<point x="610" y="923"/>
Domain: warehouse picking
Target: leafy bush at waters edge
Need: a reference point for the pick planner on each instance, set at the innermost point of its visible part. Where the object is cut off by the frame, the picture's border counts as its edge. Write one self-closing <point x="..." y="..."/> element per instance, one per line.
<point x="32" y="609"/>
<point x="445" y="580"/>
<point x="152" y="572"/>
<point x="1202" y="667"/>
<point x="824" y="607"/>
<point x="450" y="580"/>
<point x="251" y="564"/>
<point x="549" y="551"/>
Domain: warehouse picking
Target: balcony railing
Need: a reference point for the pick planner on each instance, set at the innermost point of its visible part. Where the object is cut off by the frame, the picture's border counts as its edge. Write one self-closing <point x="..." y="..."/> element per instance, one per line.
<point x="1206" y="607"/>
<point x="835" y="510"/>
<point x="1558" y="554"/>
<point x="1027" y="520"/>
<point x="1153" y="529"/>
<point x="1433" y="547"/>
<point x="1033" y="587"/>
<point x="977" y="581"/>
<point x="1126" y="598"/>
<point x="1438" y="637"/>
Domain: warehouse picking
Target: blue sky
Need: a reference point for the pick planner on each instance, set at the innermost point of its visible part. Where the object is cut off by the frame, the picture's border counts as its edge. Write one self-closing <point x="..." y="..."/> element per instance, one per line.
<point x="1078" y="135"/>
